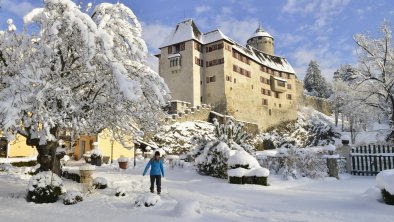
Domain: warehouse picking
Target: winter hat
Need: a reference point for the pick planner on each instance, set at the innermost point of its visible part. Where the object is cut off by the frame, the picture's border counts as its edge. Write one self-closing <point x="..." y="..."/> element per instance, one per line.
<point x="157" y="153"/>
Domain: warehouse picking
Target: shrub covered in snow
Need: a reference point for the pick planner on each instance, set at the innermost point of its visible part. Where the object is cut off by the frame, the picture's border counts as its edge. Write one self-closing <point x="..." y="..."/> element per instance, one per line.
<point x="45" y="187"/>
<point x="385" y="182"/>
<point x="242" y="159"/>
<point x="311" y="128"/>
<point x="212" y="157"/>
<point x="296" y="162"/>
<point x="120" y="192"/>
<point x="72" y="197"/>
<point x="147" y="200"/>
<point x="182" y="137"/>
<point x="100" y="183"/>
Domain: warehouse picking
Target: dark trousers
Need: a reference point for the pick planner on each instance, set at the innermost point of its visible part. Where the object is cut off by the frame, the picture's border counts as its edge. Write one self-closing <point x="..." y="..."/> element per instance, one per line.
<point x="158" y="183"/>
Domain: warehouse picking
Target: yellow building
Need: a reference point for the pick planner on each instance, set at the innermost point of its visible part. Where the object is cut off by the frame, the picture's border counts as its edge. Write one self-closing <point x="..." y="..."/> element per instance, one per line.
<point x="83" y="144"/>
<point x="247" y="82"/>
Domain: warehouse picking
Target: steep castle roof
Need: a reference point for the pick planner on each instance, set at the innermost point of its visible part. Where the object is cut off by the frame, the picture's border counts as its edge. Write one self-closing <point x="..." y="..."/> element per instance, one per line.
<point x="187" y="30"/>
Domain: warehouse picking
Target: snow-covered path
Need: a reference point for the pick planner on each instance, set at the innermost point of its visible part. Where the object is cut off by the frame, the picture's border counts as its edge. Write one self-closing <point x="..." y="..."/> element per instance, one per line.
<point x="184" y="192"/>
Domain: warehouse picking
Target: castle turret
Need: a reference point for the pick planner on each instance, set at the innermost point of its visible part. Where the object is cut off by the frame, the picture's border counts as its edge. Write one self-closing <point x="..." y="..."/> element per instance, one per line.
<point x="262" y="41"/>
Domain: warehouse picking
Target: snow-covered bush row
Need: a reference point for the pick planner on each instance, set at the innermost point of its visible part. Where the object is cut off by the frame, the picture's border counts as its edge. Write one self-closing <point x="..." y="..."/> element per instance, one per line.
<point x="180" y="138"/>
<point x="385" y="182"/>
<point x="227" y="149"/>
<point x="72" y="197"/>
<point x="296" y="162"/>
<point x="311" y="128"/>
<point x="45" y="187"/>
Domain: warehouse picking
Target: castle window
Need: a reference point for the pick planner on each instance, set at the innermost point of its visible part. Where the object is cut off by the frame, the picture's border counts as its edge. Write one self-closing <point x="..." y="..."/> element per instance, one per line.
<point x="280" y="105"/>
<point x="281" y="83"/>
<point x="235" y="80"/>
<point x="280" y="74"/>
<point x="288" y="86"/>
<point x="175" y="61"/>
<point x="269" y="111"/>
<point x="211" y="79"/>
<point x="220" y="45"/>
<point x="268" y="81"/>
<point x="289" y="96"/>
<point x="265" y="102"/>
<point x="269" y="92"/>
<point x="182" y="46"/>
<point x="288" y="76"/>
<point x="276" y="95"/>
<point x="235" y="68"/>
<point x="169" y="49"/>
<point x="198" y="46"/>
<point x="228" y="78"/>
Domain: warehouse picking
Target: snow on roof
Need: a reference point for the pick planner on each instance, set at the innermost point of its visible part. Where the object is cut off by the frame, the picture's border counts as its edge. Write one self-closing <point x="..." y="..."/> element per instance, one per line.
<point x="260" y="32"/>
<point x="174" y="55"/>
<point x="280" y="79"/>
<point x="187" y="30"/>
<point x="213" y="36"/>
<point x="184" y="31"/>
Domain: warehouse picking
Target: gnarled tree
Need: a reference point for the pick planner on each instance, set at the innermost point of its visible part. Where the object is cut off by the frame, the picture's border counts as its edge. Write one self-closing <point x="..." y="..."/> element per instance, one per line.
<point x="77" y="73"/>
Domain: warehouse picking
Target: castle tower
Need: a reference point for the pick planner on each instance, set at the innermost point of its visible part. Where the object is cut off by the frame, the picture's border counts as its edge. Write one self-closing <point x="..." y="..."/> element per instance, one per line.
<point x="262" y="41"/>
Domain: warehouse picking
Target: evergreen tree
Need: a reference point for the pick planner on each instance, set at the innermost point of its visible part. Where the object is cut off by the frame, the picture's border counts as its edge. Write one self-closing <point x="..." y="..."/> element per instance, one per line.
<point x="314" y="83"/>
<point x="346" y="73"/>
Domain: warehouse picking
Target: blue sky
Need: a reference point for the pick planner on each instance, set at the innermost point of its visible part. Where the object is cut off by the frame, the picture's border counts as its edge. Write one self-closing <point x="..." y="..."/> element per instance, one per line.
<point x="303" y="29"/>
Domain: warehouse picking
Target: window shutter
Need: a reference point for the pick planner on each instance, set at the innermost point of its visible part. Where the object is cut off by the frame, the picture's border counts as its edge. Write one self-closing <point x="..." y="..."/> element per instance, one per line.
<point x="169" y="49"/>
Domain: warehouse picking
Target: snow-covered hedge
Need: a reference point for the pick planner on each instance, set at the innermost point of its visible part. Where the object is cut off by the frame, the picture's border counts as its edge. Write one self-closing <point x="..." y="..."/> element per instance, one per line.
<point x="72" y="197"/>
<point x="45" y="187"/>
<point x="311" y="128"/>
<point x="385" y="182"/>
<point x="180" y="138"/>
<point x="295" y="162"/>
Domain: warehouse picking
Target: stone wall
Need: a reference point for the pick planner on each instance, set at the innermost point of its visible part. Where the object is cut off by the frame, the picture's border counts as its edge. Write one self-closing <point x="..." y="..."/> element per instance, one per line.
<point x="183" y="112"/>
<point x="319" y="104"/>
<point x="251" y="128"/>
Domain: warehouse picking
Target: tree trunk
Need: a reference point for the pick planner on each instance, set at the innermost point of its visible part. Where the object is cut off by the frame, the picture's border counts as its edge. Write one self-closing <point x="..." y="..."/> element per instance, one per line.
<point x="352" y="132"/>
<point x="48" y="159"/>
<point x="342" y="122"/>
<point x="336" y="113"/>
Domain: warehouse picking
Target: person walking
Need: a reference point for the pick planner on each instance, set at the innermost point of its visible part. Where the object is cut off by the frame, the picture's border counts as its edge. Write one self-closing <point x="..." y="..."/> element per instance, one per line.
<point x="156" y="171"/>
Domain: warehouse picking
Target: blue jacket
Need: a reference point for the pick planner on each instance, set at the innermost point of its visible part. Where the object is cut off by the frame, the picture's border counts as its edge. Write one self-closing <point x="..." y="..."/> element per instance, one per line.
<point x="157" y="167"/>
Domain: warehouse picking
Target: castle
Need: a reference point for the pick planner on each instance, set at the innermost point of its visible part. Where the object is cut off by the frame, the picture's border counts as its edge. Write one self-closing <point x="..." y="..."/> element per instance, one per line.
<point x="249" y="82"/>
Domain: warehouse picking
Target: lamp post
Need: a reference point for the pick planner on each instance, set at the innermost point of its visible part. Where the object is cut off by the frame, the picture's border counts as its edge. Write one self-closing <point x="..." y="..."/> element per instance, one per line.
<point x="112" y="150"/>
<point x="135" y="149"/>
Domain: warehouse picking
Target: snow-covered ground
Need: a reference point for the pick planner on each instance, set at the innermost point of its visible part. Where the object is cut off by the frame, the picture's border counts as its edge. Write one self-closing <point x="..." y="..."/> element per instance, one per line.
<point x="187" y="196"/>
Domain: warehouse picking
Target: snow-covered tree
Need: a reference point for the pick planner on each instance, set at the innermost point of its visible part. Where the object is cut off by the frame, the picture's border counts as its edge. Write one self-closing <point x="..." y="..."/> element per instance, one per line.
<point x="376" y="72"/>
<point x="78" y="73"/>
<point x="346" y="73"/>
<point x="211" y="157"/>
<point x="315" y="83"/>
